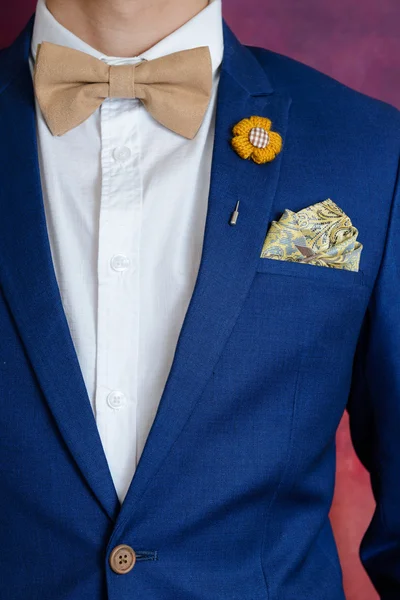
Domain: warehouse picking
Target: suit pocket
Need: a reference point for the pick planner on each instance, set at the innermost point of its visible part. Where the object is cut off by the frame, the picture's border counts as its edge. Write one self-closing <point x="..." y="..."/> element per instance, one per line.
<point x="313" y="272"/>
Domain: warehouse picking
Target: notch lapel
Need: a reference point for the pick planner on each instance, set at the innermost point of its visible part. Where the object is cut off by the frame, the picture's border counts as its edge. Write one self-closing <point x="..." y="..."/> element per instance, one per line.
<point x="229" y="257"/>
<point x="28" y="280"/>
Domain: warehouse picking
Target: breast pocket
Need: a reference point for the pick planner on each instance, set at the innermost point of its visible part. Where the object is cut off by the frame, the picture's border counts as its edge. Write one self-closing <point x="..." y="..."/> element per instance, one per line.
<point x="309" y="310"/>
<point x="325" y="275"/>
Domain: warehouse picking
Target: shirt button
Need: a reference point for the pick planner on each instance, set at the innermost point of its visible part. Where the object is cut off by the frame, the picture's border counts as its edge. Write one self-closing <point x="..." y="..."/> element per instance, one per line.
<point x="122" y="559"/>
<point x="122" y="154"/>
<point x="120" y="262"/>
<point x="116" y="399"/>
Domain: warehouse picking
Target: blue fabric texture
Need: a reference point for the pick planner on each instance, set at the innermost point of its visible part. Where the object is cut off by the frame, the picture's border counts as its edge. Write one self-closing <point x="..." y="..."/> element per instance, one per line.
<point x="231" y="497"/>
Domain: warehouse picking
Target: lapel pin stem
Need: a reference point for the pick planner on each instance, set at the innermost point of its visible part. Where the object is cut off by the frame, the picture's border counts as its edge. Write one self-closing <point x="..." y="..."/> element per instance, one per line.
<point x="235" y="215"/>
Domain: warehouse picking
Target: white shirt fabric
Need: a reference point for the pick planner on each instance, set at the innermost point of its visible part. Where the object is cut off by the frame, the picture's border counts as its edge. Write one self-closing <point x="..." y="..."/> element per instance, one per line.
<point x="125" y="203"/>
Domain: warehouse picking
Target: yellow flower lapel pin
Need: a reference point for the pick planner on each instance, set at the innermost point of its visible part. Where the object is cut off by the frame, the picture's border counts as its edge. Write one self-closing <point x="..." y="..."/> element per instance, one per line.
<point x="254" y="139"/>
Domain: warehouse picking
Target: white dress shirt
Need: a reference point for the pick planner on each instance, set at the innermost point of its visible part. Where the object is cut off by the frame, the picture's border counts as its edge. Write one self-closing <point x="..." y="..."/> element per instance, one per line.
<point x="125" y="202"/>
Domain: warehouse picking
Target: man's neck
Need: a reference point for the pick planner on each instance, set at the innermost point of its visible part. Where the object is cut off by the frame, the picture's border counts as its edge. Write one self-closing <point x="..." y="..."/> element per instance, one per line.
<point x="124" y="28"/>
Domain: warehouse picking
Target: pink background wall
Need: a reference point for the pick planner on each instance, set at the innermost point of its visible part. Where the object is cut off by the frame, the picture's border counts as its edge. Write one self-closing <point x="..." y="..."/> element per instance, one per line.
<point x="356" y="41"/>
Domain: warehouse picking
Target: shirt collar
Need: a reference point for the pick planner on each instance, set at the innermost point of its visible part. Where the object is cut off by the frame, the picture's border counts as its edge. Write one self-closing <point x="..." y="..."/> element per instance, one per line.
<point x="205" y="29"/>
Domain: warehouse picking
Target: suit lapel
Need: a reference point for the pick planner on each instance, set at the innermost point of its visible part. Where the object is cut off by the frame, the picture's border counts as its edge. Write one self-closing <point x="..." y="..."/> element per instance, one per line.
<point x="229" y="259"/>
<point x="28" y="280"/>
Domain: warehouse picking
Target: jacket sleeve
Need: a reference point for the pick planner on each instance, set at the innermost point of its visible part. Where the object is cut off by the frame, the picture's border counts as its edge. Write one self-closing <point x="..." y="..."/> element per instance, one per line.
<point x="374" y="409"/>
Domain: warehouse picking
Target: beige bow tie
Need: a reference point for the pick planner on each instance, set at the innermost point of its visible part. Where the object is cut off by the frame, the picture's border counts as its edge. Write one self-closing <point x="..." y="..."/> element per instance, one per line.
<point x="175" y="89"/>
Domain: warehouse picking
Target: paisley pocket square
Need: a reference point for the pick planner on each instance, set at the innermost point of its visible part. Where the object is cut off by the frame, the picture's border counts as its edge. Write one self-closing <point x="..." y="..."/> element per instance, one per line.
<point x="321" y="235"/>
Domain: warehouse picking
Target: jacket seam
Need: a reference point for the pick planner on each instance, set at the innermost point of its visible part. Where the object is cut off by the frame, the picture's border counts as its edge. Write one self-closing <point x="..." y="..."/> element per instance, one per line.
<point x="267" y="514"/>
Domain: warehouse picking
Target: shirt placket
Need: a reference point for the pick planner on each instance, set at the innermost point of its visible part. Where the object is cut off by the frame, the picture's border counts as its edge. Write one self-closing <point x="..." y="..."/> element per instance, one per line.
<point x="118" y="315"/>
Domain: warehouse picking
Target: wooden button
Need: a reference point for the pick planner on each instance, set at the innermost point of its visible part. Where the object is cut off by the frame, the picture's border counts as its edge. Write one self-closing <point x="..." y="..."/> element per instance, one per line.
<point x="122" y="559"/>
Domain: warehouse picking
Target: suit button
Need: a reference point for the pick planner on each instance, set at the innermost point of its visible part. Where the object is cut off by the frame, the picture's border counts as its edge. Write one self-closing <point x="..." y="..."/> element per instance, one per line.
<point x="122" y="559"/>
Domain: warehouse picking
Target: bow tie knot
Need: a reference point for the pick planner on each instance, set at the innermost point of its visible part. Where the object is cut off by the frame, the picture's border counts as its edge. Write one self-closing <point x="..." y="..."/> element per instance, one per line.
<point x="71" y="85"/>
<point x="122" y="81"/>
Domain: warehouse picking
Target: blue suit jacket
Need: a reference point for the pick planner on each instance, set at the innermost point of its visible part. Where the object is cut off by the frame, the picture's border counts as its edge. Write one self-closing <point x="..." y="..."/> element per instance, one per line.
<point x="231" y="497"/>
